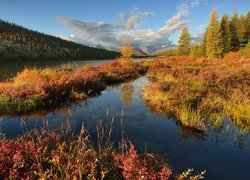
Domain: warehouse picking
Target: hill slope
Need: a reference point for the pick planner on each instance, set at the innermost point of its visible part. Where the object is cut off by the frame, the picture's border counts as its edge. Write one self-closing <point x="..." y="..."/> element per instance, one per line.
<point x="19" y="43"/>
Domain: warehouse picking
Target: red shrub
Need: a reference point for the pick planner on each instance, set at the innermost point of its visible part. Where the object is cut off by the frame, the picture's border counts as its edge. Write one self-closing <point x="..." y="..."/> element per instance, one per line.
<point x="135" y="167"/>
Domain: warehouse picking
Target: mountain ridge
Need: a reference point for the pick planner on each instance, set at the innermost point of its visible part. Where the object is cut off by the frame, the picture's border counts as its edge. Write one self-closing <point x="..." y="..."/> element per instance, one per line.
<point x="20" y="43"/>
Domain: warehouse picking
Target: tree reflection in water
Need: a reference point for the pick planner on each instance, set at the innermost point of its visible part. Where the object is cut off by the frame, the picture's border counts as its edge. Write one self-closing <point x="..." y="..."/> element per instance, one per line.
<point x="1" y="118"/>
<point x="127" y="94"/>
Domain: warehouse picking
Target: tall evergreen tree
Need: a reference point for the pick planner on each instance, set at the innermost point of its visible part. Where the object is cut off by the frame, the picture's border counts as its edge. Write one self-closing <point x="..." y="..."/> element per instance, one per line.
<point x="235" y="44"/>
<point x="246" y="34"/>
<point x="241" y="31"/>
<point x="213" y="40"/>
<point x="184" y="43"/>
<point x="225" y="34"/>
<point x="204" y="43"/>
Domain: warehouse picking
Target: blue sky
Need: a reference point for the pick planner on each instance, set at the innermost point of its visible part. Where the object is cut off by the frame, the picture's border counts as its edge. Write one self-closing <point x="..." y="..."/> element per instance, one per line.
<point x="110" y="23"/>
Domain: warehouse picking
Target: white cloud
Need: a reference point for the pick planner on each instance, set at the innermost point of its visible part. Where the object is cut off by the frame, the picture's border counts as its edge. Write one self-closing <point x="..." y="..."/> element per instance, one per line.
<point x="92" y="33"/>
<point x="136" y="18"/>
<point x="111" y="35"/>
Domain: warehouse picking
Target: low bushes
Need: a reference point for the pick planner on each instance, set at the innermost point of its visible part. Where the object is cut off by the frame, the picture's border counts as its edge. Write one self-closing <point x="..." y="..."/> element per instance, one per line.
<point x="47" y="155"/>
<point x="118" y="72"/>
<point x="199" y="92"/>
<point x="33" y="89"/>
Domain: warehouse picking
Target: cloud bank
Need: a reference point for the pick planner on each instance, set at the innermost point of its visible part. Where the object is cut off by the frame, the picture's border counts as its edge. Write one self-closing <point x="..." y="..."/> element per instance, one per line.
<point x="113" y="35"/>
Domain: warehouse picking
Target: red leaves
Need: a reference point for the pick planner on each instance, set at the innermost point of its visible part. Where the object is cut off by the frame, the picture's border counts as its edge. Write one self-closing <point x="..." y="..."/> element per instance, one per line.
<point x="47" y="155"/>
<point x="18" y="159"/>
<point x="135" y="167"/>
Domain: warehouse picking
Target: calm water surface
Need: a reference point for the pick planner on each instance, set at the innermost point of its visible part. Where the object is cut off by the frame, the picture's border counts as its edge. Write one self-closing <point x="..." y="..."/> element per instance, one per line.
<point x="224" y="153"/>
<point x="8" y="70"/>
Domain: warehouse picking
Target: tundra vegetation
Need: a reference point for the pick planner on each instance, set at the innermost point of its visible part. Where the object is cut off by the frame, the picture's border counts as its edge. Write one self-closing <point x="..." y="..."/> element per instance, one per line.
<point x="200" y="92"/>
<point x="49" y="155"/>
<point x="34" y="89"/>
<point x="206" y="84"/>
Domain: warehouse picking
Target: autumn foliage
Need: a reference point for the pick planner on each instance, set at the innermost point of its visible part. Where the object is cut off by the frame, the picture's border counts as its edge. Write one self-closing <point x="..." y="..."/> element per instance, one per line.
<point x="135" y="167"/>
<point x="201" y="93"/>
<point x="47" y="155"/>
<point x="33" y="89"/>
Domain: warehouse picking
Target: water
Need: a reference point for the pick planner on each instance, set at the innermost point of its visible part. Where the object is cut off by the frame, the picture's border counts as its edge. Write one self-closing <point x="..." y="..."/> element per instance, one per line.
<point x="224" y="153"/>
<point x="8" y="70"/>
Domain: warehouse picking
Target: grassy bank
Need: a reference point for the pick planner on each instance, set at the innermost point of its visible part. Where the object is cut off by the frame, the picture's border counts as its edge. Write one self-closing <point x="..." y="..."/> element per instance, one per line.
<point x="47" y="155"/>
<point x="199" y="92"/>
<point x="35" y="89"/>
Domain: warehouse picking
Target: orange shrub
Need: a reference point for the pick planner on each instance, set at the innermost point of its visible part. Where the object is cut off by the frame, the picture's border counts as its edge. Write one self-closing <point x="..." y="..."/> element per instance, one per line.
<point x="232" y="56"/>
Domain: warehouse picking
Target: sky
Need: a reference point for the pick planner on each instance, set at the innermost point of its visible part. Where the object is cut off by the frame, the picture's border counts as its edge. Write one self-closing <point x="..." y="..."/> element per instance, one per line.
<point x="111" y="23"/>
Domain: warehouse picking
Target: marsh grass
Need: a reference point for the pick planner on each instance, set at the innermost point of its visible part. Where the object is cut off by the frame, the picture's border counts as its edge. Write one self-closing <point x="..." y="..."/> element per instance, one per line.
<point x="46" y="154"/>
<point x="35" y="89"/>
<point x="199" y="92"/>
<point x="64" y="154"/>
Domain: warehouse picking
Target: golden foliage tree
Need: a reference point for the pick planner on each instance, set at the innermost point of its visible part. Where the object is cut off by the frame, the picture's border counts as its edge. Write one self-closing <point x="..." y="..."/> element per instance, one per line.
<point x="213" y="38"/>
<point x="126" y="53"/>
<point x="127" y="94"/>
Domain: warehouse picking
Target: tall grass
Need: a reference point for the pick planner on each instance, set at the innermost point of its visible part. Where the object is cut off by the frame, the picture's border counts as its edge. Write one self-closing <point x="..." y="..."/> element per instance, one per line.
<point x="197" y="90"/>
<point x="34" y="89"/>
<point x="48" y="155"/>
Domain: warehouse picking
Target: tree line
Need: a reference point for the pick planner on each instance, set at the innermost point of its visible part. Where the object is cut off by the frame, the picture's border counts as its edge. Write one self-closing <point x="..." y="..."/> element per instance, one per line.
<point x="17" y="42"/>
<point x="220" y="37"/>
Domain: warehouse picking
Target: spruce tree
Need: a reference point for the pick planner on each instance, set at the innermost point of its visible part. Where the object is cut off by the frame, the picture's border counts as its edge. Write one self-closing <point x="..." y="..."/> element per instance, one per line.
<point x="213" y="40"/>
<point x="235" y="44"/>
<point x="225" y="34"/>
<point x="184" y="43"/>
<point x="241" y="31"/>
<point x="204" y="43"/>
<point x="246" y="33"/>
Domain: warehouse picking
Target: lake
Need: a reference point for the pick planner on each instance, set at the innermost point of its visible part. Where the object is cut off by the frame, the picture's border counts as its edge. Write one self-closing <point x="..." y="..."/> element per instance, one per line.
<point x="8" y="70"/>
<point x="224" y="153"/>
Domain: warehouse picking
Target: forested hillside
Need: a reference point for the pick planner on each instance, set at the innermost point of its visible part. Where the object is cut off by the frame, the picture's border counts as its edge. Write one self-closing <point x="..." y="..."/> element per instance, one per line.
<point x="19" y="43"/>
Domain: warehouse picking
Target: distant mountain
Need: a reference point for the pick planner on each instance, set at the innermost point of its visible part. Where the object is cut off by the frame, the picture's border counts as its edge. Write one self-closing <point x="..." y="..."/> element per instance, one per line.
<point x="138" y="52"/>
<point x="146" y="49"/>
<point x="149" y="50"/>
<point x="19" y="43"/>
<point x="166" y="51"/>
<point x="168" y="48"/>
